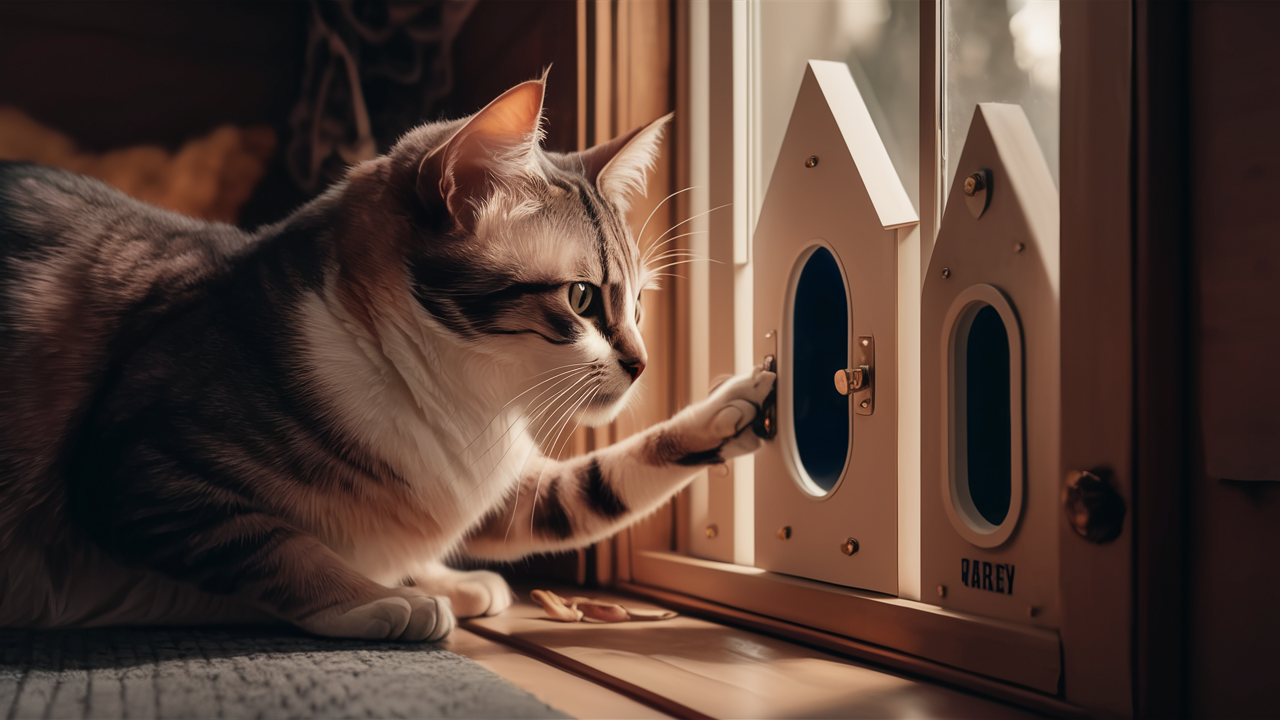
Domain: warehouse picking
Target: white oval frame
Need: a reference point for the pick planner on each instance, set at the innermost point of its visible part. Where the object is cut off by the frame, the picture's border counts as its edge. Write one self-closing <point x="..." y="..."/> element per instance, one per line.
<point x="786" y="419"/>
<point x="965" y="518"/>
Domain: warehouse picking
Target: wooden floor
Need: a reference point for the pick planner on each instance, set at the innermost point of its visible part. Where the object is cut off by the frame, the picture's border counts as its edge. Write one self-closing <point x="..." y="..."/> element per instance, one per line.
<point x="689" y="667"/>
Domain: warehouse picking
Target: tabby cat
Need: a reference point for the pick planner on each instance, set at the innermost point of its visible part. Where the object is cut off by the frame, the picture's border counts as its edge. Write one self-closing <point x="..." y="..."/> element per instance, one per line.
<point x="202" y="425"/>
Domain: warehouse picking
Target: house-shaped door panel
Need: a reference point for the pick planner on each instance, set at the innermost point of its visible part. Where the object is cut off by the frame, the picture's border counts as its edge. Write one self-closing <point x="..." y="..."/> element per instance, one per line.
<point x="825" y="272"/>
<point x="990" y="381"/>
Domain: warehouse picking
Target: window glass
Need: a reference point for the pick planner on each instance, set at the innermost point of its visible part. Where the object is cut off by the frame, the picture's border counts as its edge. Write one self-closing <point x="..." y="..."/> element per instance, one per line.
<point x="880" y="42"/>
<point x="1000" y="51"/>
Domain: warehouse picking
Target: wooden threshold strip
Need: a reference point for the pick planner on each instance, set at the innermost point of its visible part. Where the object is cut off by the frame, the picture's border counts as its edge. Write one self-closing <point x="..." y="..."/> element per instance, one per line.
<point x="885" y="657"/>
<point x="568" y="664"/>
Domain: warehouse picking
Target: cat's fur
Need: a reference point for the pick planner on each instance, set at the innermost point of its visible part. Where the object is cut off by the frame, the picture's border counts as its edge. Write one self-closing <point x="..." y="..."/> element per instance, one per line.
<point x="199" y="424"/>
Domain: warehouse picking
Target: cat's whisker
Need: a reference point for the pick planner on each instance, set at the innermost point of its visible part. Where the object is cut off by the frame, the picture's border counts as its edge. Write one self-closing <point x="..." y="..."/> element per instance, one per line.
<point x="673" y="264"/>
<point x="693" y="217"/>
<point x="573" y="367"/>
<point x="551" y="389"/>
<point x="579" y="384"/>
<point x="654" y="248"/>
<point x="578" y="424"/>
<point x="538" y="486"/>
<point x="640" y="235"/>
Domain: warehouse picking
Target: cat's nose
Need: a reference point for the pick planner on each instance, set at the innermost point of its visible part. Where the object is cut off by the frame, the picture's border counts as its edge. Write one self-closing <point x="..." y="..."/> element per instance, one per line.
<point x="633" y="368"/>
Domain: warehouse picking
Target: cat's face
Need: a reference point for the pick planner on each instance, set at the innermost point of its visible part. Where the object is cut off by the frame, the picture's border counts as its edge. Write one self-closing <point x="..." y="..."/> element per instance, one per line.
<point x="539" y="270"/>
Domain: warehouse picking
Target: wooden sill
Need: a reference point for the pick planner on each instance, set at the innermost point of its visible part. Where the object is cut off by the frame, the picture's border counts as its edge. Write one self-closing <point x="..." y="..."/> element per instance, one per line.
<point x="935" y="641"/>
<point x="696" y="668"/>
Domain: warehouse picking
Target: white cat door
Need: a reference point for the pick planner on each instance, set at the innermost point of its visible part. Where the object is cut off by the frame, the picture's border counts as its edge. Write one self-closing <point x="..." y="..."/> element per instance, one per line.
<point x="990" y="381"/>
<point x="825" y="313"/>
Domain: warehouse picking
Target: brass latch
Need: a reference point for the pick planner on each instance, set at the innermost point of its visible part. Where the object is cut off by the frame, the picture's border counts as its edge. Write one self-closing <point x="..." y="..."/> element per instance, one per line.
<point x="857" y="380"/>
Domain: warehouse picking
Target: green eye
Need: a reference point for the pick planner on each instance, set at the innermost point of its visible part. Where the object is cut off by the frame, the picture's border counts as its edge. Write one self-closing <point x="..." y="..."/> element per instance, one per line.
<point x="580" y="296"/>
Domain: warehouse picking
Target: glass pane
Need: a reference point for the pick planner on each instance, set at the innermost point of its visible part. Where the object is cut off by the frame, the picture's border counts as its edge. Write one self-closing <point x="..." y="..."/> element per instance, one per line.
<point x="880" y="42"/>
<point x="1000" y="51"/>
<point x="987" y="416"/>
<point x="820" y="347"/>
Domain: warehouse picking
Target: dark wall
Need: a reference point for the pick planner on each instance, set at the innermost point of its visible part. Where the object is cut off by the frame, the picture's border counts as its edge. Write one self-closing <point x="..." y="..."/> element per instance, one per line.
<point x="1233" y="528"/>
<point x="120" y="73"/>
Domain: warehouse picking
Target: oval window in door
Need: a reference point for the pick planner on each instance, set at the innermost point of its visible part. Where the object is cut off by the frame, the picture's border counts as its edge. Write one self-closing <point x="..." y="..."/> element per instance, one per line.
<point x="819" y="347"/>
<point x="983" y="484"/>
<point x="987" y="416"/>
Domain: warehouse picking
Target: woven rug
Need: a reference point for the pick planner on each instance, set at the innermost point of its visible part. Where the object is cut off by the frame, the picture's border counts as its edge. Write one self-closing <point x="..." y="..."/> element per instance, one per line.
<point x="243" y="673"/>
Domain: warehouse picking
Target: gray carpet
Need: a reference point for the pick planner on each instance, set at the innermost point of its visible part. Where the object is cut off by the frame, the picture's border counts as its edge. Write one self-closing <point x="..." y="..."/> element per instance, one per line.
<point x="243" y="673"/>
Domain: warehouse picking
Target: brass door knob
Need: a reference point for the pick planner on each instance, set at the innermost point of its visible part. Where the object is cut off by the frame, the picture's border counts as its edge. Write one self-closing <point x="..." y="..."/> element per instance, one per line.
<point x="1093" y="507"/>
<point x="853" y="379"/>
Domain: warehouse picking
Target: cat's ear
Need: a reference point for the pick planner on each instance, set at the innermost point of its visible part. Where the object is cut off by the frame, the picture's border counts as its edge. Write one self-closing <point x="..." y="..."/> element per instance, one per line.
<point x="618" y="167"/>
<point x="495" y="145"/>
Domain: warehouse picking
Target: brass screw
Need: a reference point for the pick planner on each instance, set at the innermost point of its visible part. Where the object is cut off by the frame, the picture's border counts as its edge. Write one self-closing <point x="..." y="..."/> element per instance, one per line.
<point x="784" y="532"/>
<point x="849" y="546"/>
<point x="811" y="162"/>
<point x="946" y="272"/>
<point x="942" y="591"/>
<point x="865" y="403"/>
<point x="865" y="342"/>
<point x="974" y="184"/>
<point x="712" y="531"/>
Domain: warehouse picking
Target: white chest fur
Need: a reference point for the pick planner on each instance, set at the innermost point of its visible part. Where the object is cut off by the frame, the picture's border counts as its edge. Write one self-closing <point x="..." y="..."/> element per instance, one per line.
<point x="415" y="403"/>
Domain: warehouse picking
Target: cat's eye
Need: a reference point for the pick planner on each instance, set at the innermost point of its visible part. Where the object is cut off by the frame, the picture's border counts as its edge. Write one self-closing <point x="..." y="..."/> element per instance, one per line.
<point x="639" y="311"/>
<point x="580" y="296"/>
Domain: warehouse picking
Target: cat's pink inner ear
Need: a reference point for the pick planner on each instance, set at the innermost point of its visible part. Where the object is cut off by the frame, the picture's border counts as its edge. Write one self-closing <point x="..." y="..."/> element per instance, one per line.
<point x="494" y="144"/>
<point x="619" y="167"/>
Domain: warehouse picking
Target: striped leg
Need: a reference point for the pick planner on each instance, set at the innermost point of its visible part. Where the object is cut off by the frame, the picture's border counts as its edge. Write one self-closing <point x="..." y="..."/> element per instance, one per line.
<point x="569" y="504"/>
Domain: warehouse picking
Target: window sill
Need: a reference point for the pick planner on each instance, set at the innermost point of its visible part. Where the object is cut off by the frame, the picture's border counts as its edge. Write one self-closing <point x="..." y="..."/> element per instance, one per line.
<point x="696" y="668"/>
<point x="954" y="647"/>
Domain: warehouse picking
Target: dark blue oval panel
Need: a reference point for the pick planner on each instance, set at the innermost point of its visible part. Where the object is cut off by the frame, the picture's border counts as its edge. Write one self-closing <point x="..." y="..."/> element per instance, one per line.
<point x="988" y="425"/>
<point x="820" y="347"/>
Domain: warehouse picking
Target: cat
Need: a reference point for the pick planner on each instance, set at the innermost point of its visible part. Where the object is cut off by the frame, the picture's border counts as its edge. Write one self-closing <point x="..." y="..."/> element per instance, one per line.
<point x="200" y="424"/>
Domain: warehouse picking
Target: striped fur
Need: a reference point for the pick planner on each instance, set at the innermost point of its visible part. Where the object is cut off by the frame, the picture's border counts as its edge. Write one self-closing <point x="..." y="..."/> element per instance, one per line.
<point x="304" y="422"/>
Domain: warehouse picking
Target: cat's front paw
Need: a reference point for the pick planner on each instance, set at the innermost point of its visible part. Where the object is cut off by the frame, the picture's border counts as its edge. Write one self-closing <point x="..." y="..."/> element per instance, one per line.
<point x="410" y="616"/>
<point x="479" y="592"/>
<point x="472" y="592"/>
<point x="719" y="428"/>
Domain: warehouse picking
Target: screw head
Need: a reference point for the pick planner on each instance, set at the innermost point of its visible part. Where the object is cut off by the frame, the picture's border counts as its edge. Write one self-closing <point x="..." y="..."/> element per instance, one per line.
<point x="865" y="403"/>
<point x="784" y="532"/>
<point x="712" y="531"/>
<point x="812" y="161"/>
<point x="865" y="342"/>
<point x="946" y="272"/>
<point x="1033" y="611"/>
<point x="849" y="546"/>
<point x="973" y="184"/>
<point x="942" y="591"/>
<point x="1019" y="247"/>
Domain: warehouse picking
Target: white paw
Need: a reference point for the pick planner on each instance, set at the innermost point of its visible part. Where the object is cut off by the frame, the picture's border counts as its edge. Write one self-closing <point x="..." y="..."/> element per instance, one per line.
<point x="478" y="592"/>
<point x="725" y="417"/>
<point x="413" y="617"/>
<point x="432" y="619"/>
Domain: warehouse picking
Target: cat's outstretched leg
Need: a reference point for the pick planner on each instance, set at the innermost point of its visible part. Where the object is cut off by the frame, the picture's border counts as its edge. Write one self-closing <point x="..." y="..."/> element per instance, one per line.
<point x="472" y="593"/>
<point x="576" y="502"/>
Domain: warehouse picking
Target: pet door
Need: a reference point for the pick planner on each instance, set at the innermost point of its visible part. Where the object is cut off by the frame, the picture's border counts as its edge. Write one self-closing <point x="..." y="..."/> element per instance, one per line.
<point x="990" y="385"/>
<point x="825" y="264"/>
